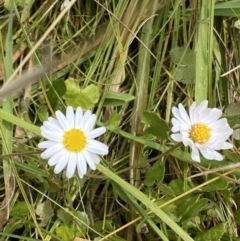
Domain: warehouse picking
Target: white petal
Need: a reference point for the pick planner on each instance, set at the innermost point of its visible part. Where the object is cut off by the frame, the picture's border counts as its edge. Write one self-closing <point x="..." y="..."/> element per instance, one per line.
<point x="62" y="120"/>
<point x="70" y="116"/>
<point x="56" y="158"/>
<point x="178" y="115"/>
<point x="97" y="147"/>
<point x="85" y="118"/>
<point x="184" y="114"/>
<point x="53" y="121"/>
<point x="195" y="155"/>
<point x="49" y="125"/>
<point x="96" y="132"/>
<point x="218" y="123"/>
<point x="81" y="165"/>
<point x="217" y="156"/>
<point x="227" y="145"/>
<point x="71" y="165"/>
<point x="46" y="144"/>
<point x="191" y="112"/>
<point x="52" y="151"/>
<point x="78" y="117"/>
<point x="52" y="136"/>
<point x="95" y="158"/>
<point x="89" y="124"/>
<point x="63" y="161"/>
<point x="197" y="112"/>
<point x="211" y="115"/>
<point x="89" y="160"/>
<point x="176" y="137"/>
<point x="211" y="154"/>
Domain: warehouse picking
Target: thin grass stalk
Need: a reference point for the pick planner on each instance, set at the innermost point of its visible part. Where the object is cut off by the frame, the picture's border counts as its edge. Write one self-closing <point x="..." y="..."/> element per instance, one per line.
<point x="7" y="127"/>
<point x="202" y="74"/>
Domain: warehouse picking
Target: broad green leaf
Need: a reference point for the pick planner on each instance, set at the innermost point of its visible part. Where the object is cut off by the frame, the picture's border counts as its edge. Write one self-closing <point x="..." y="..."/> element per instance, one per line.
<point x="227" y="8"/>
<point x="213" y="234"/>
<point x="11" y="226"/>
<point x="155" y="125"/>
<point x="233" y="157"/>
<point x="165" y="189"/>
<point x="185" y="203"/>
<point x="232" y="113"/>
<point x="76" y="97"/>
<point x="82" y="226"/>
<point x="66" y="233"/>
<point x="43" y="113"/>
<point x="177" y="186"/>
<point x="64" y="216"/>
<point x="45" y="212"/>
<point x="57" y="90"/>
<point x="117" y="99"/>
<point x="106" y="224"/>
<point x="185" y="60"/>
<point x="155" y="173"/>
<point x="195" y="209"/>
<point x="20" y="209"/>
<point x="219" y="184"/>
<point x="114" y="120"/>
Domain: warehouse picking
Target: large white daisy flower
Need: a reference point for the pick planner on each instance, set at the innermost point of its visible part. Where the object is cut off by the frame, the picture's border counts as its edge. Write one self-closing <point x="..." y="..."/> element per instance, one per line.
<point x="71" y="141"/>
<point x="202" y="130"/>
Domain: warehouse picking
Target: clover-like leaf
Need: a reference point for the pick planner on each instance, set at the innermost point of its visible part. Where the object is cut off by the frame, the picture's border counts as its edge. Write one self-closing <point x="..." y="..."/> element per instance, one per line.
<point x="76" y="97"/>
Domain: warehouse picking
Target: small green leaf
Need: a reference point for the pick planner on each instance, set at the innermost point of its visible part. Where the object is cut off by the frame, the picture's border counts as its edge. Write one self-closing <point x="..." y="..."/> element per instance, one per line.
<point x="177" y="186"/>
<point x="232" y="113"/>
<point x="43" y="113"/>
<point x="233" y="157"/>
<point x="166" y="190"/>
<point x="212" y="234"/>
<point x="57" y="90"/>
<point x="155" y="125"/>
<point x="228" y="8"/>
<point x="185" y="60"/>
<point x="219" y="184"/>
<point x="85" y="98"/>
<point x="195" y="209"/>
<point x="45" y="212"/>
<point x="66" y="233"/>
<point x="20" y="209"/>
<point x="13" y="225"/>
<point x="155" y="173"/>
<point x="114" y="120"/>
<point x="64" y="216"/>
<point x="184" y="204"/>
<point x="117" y="99"/>
<point x="82" y="226"/>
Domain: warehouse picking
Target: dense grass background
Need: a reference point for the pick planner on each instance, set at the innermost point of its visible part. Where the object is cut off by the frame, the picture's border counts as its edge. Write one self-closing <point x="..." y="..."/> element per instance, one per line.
<point x="130" y="62"/>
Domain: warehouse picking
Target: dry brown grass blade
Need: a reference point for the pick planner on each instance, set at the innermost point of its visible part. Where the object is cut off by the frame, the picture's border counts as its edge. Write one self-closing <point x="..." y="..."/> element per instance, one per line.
<point x="4" y="207"/>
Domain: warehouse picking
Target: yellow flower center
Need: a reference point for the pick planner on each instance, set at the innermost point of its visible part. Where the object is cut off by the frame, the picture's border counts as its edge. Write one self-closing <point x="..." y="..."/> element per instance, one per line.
<point x="200" y="133"/>
<point x="74" y="140"/>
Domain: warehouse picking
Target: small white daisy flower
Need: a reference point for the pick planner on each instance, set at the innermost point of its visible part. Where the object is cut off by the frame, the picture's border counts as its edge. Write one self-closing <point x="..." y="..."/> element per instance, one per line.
<point x="202" y="130"/>
<point x="71" y="141"/>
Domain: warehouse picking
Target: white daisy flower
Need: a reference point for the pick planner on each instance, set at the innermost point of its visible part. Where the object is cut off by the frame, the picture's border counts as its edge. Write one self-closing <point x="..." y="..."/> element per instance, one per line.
<point x="71" y="141"/>
<point x="202" y="130"/>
